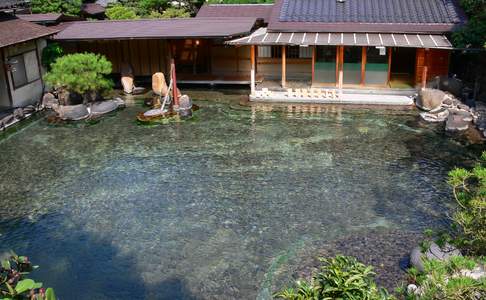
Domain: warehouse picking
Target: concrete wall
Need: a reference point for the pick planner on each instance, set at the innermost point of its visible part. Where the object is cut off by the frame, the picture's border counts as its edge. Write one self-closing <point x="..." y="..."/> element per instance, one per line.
<point x="31" y="92"/>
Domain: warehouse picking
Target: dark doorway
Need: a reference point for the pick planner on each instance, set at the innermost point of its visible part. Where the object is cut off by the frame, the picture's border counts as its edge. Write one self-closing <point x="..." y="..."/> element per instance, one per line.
<point x="403" y="67"/>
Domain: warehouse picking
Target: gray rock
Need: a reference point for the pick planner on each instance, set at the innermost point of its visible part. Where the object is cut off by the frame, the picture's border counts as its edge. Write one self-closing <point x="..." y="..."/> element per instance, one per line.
<point x="434" y="252"/>
<point x="436" y="116"/>
<point x="464" y="115"/>
<point x="456" y="123"/>
<point x="48" y="100"/>
<point x="430" y="99"/>
<point x="18" y="113"/>
<point x="72" y="112"/>
<point x="104" y="107"/>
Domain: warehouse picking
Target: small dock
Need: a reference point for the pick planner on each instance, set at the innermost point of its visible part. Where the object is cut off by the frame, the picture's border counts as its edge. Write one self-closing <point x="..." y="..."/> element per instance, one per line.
<point x="336" y="96"/>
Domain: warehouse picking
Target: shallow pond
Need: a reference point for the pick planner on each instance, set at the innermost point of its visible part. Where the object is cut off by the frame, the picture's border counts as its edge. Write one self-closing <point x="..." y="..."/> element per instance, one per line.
<point x="226" y="206"/>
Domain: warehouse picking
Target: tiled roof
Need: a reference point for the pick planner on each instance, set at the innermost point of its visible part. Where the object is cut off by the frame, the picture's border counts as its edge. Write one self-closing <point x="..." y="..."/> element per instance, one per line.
<point x="158" y="28"/>
<point x="40" y="18"/>
<point x="367" y="15"/>
<point x="93" y="9"/>
<point x="259" y="11"/>
<point x="14" y="30"/>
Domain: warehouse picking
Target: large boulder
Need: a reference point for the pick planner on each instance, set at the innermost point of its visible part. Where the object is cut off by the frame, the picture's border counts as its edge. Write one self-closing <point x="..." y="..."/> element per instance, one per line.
<point x="185" y="106"/>
<point x="104" y="107"/>
<point x="72" y="112"/>
<point x="433" y="252"/>
<point x="159" y="86"/>
<point x="127" y="83"/>
<point x="430" y="99"/>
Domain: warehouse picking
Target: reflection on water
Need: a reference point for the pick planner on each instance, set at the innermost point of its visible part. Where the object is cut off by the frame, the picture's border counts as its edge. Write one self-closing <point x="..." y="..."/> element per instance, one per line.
<point x="223" y="206"/>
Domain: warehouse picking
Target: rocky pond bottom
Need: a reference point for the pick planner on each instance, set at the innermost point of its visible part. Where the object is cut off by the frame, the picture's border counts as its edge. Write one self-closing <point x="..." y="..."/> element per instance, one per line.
<point x="232" y="204"/>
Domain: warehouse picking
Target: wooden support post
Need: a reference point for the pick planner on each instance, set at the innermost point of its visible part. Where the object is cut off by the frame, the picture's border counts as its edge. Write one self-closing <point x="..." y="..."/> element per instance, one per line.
<point x="363" y="65"/>
<point x="284" y="66"/>
<point x="341" y="67"/>
<point x="425" y="69"/>
<point x="253" y="68"/>
<point x="388" y="79"/>
<point x="237" y="56"/>
<point x="175" y="94"/>
<point x="313" y="64"/>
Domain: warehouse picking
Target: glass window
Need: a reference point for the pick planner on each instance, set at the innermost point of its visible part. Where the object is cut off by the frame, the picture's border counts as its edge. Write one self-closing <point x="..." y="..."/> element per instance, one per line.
<point x="376" y="65"/>
<point x="325" y="65"/>
<point x="292" y="52"/>
<point x="19" y="76"/>
<point x="24" y="68"/>
<point x="352" y="65"/>
<point x="31" y="66"/>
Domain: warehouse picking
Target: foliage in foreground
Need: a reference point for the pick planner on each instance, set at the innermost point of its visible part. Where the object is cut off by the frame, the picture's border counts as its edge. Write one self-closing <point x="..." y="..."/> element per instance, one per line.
<point x="341" y="277"/>
<point x="446" y="280"/>
<point x="469" y="189"/>
<point x="13" y="282"/>
<point x="81" y="73"/>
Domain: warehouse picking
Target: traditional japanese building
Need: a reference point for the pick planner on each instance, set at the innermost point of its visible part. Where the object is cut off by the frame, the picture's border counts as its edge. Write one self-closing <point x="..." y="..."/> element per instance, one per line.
<point x="349" y="46"/>
<point x="21" y="44"/>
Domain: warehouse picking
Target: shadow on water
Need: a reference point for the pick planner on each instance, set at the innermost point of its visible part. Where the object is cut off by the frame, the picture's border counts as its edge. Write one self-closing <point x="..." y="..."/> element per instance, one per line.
<point x="69" y="262"/>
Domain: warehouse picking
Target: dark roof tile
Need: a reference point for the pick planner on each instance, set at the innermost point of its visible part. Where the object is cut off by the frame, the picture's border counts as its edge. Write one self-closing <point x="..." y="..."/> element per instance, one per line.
<point x="157" y="28"/>
<point x="259" y="11"/>
<point x="14" y="30"/>
<point x="366" y="15"/>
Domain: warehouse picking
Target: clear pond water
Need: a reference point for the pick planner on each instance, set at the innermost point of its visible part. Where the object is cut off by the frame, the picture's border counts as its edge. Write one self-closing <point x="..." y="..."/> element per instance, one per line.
<point x="226" y="206"/>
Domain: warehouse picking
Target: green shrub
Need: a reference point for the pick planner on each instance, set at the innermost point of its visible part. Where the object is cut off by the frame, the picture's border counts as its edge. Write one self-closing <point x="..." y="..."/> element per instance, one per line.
<point x="15" y="285"/>
<point x="81" y="73"/>
<point x="50" y="53"/>
<point x="442" y="280"/>
<point x="173" y="12"/>
<point x="120" y="12"/>
<point x="469" y="189"/>
<point x="341" y="277"/>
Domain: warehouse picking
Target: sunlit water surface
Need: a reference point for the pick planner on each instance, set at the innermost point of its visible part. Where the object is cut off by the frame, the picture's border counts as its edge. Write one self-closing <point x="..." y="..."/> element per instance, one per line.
<point x="225" y="206"/>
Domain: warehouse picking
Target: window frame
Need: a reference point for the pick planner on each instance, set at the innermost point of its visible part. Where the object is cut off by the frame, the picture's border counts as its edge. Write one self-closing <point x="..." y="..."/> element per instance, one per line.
<point x="27" y="82"/>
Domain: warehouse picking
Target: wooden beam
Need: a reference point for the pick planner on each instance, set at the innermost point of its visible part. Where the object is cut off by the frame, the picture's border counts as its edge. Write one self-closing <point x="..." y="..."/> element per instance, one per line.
<point x="388" y="77"/>
<point x="313" y="64"/>
<point x="253" y="68"/>
<point x="284" y="66"/>
<point x="363" y="65"/>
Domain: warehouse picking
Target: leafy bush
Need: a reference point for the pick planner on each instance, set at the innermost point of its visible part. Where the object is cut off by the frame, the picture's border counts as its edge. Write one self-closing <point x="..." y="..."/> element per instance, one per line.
<point x="145" y="7"/>
<point x="469" y="188"/>
<point x="446" y="280"/>
<point x="173" y="12"/>
<point x="50" y="53"/>
<point x="81" y="73"/>
<point x="473" y="34"/>
<point x="120" y="12"/>
<point x="14" y="285"/>
<point x="68" y="7"/>
<point x="341" y="277"/>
